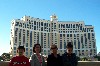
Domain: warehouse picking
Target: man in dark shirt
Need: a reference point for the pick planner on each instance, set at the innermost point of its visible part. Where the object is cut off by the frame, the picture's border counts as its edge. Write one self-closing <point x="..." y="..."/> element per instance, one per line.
<point x="54" y="59"/>
<point x="69" y="58"/>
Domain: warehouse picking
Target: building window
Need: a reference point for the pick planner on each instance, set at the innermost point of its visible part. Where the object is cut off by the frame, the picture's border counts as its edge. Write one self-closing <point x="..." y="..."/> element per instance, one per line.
<point x="93" y="44"/>
<point x="25" y="25"/>
<point x="74" y="26"/>
<point x="67" y="35"/>
<point x="70" y="35"/>
<point x="89" y="36"/>
<point x="34" y="22"/>
<point x="15" y="52"/>
<point x="27" y="19"/>
<point x="26" y="49"/>
<point x="60" y="35"/>
<point x="41" y="23"/>
<point x="85" y="34"/>
<point x="71" y="25"/>
<point x="30" y="53"/>
<point x="60" y="45"/>
<point x="76" y="52"/>
<point x="14" y="48"/>
<point x="31" y="39"/>
<point x="80" y="27"/>
<point x="78" y="44"/>
<point x="59" y="25"/>
<point x="93" y="34"/>
<point x="34" y="27"/>
<point x="23" y="39"/>
<point x="74" y="35"/>
<point x="81" y="39"/>
<point x="26" y="44"/>
<point x="75" y="43"/>
<point x="20" y="24"/>
<point x="26" y="53"/>
<point x="64" y="45"/>
<point x="15" y="39"/>
<point x="63" y="35"/>
<point x="44" y="24"/>
<point x="92" y="30"/>
<point x="17" y="23"/>
<point x="19" y="43"/>
<point x="37" y="24"/>
<point x="70" y="31"/>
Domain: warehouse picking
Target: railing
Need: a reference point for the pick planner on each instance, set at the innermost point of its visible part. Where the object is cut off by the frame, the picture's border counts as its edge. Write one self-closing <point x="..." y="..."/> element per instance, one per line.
<point x="80" y="63"/>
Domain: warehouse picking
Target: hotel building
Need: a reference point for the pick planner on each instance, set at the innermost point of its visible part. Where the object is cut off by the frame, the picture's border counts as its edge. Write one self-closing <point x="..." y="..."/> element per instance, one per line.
<point x="28" y="31"/>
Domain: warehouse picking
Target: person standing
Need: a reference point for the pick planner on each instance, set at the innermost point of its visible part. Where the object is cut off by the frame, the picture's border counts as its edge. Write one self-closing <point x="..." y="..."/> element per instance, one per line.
<point x="69" y="58"/>
<point x="54" y="59"/>
<point x="37" y="59"/>
<point x="20" y="59"/>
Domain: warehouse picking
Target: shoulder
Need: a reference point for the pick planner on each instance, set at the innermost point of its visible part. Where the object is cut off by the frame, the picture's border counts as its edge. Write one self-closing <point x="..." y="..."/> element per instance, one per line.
<point x="26" y="58"/>
<point x="51" y="55"/>
<point x="14" y="58"/>
<point x="73" y="54"/>
<point x="59" y="56"/>
<point x="33" y="56"/>
<point x="64" y="54"/>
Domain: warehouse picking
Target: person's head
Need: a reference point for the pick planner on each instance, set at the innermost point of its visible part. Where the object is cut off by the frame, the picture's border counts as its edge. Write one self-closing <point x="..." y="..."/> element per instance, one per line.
<point x="37" y="48"/>
<point x="20" y="50"/>
<point x="54" y="48"/>
<point x="69" y="48"/>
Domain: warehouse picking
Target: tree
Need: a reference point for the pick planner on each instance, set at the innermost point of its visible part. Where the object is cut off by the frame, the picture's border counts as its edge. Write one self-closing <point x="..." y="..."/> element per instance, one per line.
<point x="97" y="57"/>
<point x="1" y="58"/>
<point x="6" y="56"/>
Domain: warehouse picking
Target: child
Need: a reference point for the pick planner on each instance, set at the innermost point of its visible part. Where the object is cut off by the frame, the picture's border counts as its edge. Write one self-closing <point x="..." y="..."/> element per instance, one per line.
<point x="20" y="60"/>
<point x="69" y="58"/>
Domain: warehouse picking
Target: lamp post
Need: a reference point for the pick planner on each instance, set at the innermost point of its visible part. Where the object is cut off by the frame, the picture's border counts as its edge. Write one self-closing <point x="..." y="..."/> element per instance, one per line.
<point x="10" y="57"/>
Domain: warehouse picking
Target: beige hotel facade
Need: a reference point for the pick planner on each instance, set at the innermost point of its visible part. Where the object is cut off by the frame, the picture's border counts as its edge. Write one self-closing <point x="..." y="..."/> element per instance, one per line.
<point x="28" y="31"/>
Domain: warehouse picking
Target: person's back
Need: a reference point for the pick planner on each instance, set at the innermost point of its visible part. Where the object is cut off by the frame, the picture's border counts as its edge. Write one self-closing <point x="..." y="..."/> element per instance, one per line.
<point x="20" y="60"/>
<point x="69" y="58"/>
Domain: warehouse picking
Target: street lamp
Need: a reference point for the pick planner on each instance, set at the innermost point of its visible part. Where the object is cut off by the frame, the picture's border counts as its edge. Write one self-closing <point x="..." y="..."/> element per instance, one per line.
<point x="10" y="56"/>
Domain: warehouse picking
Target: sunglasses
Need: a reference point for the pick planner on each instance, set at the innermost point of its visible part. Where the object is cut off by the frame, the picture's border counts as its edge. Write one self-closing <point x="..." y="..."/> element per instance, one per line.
<point x="69" y="50"/>
<point x="53" y="48"/>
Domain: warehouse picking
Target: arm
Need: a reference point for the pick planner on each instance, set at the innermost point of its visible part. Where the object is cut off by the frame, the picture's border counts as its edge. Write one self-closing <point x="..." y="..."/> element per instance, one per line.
<point x="61" y="61"/>
<point x="43" y="61"/>
<point x="48" y="61"/>
<point x="65" y="61"/>
<point x="32" y="61"/>
<point x="28" y="63"/>
<point x="74" y="61"/>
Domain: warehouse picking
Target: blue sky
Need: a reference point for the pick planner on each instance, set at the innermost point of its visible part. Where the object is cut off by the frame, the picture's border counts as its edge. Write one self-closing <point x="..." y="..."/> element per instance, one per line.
<point x="66" y="10"/>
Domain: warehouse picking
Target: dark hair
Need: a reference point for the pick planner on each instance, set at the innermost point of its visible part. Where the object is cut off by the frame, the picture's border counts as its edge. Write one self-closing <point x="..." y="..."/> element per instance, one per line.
<point x="21" y="47"/>
<point x="69" y="45"/>
<point x="35" y="46"/>
<point x="55" y="46"/>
